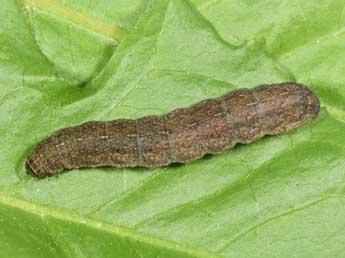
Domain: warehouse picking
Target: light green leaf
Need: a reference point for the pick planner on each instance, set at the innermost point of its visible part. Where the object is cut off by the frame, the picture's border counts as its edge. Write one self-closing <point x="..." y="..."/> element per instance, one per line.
<point x="75" y="42"/>
<point x="282" y="196"/>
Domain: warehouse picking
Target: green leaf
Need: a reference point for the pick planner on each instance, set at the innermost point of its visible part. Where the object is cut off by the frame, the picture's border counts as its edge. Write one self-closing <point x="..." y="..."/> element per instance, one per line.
<point x="76" y="43"/>
<point x="282" y="196"/>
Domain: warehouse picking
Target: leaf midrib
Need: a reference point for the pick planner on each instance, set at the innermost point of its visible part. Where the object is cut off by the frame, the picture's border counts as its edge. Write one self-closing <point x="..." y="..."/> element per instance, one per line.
<point x="78" y="17"/>
<point x="121" y="231"/>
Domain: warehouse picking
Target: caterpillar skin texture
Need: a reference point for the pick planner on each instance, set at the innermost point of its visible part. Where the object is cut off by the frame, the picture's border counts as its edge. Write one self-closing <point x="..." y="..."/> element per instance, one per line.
<point x="183" y="135"/>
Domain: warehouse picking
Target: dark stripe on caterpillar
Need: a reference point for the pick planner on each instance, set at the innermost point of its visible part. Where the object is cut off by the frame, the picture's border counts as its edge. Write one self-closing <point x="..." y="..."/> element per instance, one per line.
<point x="183" y="135"/>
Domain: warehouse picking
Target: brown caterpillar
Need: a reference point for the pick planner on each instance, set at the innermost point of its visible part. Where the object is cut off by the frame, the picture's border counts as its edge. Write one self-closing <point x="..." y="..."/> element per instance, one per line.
<point x="183" y="135"/>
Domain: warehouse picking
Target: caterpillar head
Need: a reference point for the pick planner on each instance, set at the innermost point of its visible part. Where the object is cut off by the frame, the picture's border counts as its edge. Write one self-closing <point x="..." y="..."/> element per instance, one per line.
<point x="38" y="163"/>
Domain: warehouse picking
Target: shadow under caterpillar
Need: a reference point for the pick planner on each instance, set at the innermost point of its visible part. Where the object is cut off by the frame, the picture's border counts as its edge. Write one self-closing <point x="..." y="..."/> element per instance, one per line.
<point x="183" y="135"/>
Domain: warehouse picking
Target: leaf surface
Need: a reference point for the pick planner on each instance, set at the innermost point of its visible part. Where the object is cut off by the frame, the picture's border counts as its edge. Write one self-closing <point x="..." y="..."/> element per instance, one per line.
<point x="282" y="196"/>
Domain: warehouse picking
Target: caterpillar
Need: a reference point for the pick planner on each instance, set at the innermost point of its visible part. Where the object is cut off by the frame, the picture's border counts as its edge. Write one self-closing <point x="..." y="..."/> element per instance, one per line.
<point x="181" y="136"/>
